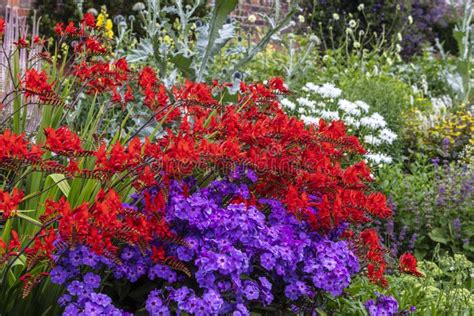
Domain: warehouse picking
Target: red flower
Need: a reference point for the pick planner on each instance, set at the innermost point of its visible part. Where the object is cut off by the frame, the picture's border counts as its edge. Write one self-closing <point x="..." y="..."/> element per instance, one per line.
<point x="22" y="43"/>
<point x="59" y="29"/>
<point x="71" y="29"/>
<point x="2" y="27"/>
<point x="278" y="84"/>
<point x="369" y="241"/>
<point x="158" y="254"/>
<point x="63" y="141"/>
<point x="38" y="40"/>
<point x="9" y="202"/>
<point x="36" y="83"/>
<point x="407" y="264"/>
<point x="16" y="148"/>
<point x="93" y="46"/>
<point x="89" y="20"/>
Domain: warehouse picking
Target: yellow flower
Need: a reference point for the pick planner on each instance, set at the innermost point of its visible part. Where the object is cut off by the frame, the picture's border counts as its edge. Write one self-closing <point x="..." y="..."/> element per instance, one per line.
<point x="108" y="28"/>
<point x="100" y="20"/>
<point x="108" y="25"/>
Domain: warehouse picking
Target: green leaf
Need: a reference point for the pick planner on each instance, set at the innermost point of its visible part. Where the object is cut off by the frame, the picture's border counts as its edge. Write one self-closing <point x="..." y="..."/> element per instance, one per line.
<point x="222" y="8"/>
<point x="142" y="52"/>
<point x="29" y="219"/>
<point x="60" y="180"/>
<point x="438" y="235"/>
<point x="184" y="65"/>
<point x="321" y="312"/>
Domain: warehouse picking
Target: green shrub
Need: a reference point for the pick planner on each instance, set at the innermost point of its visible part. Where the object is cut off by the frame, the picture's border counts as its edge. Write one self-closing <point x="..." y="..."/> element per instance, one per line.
<point x="432" y="206"/>
<point x="444" y="289"/>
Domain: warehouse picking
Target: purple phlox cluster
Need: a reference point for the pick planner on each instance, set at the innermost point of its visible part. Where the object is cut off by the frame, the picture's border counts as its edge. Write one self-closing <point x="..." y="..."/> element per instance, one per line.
<point x="81" y="297"/>
<point x="240" y="254"/>
<point x="382" y="306"/>
<point x="242" y="257"/>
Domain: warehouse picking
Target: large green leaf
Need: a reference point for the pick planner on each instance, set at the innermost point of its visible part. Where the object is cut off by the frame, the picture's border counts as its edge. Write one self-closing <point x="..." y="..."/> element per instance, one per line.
<point x="222" y="9"/>
<point x="63" y="185"/>
<point x="438" y="235"/>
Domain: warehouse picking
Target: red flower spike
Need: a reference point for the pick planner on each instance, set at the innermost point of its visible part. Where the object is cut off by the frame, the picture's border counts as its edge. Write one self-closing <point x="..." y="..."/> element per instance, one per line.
<point x="63" y="141"/>
<point x="36" y="84"/>
<point x="375" y="256"/>
<point x="407" y="264"/>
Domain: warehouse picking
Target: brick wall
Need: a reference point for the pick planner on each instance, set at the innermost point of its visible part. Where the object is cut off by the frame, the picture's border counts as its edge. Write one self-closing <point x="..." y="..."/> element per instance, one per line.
<point x="245" y="8"/>
<point x="23" y="5"/>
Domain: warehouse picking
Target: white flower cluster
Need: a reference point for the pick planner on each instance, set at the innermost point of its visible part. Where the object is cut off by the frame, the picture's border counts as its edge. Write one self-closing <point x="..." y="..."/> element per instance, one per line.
<point x="327" y="90"/>
<point x="325" y="101"/>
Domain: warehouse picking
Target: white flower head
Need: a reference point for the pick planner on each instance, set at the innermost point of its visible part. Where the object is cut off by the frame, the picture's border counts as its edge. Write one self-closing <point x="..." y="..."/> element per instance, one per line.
<point x="410" y="19"/>
<point x="335" y="16"/>
<point x="309" y="86"/>
<point x="327" y="90"/>
<point x="348" y="107"/>
<point x="288" y="104"/>
<point x="252" y="18"/>
<point x="374" y="121"/>
<point x="378" y="158"/>
<point x="372" y="140"/>
<point x="310" y="120"/>
<point x="306" y="102"/>
<point x="330" y="115"/>
<point x="352" y="23"/>
<point x="301" y="18"/>
<point x="351" y="121"/>
<point x="387" y="136"/>
<point x="356" y="44"/>
<point x="362" y="105"/>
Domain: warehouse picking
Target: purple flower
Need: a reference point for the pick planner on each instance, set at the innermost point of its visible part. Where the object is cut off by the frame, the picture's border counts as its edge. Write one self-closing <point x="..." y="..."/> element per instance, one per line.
<point x="214" y="300"/>
<point x="100" y="299"/>
<point x="92" y="280"/>
<point x="75" y="287"/>
<point x="71" y="310"/>
<point x="457" y="227"/>
<point x="58" y="275"/>
<point x="92" y="309"/>
<point x="267" y="261"/>
<point x="384" y="305"/>
<point x="237" y="254"/>
<point x="75" y="257"/>
<point x="292" y="292"/>
<point x="153" y="304"/>
<point x="251" y="290"/>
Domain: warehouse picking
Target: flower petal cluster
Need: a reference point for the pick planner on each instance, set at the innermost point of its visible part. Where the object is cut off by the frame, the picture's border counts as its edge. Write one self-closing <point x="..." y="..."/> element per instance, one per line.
<point x="384" y="305"/>
<point x="408" y="264"/>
